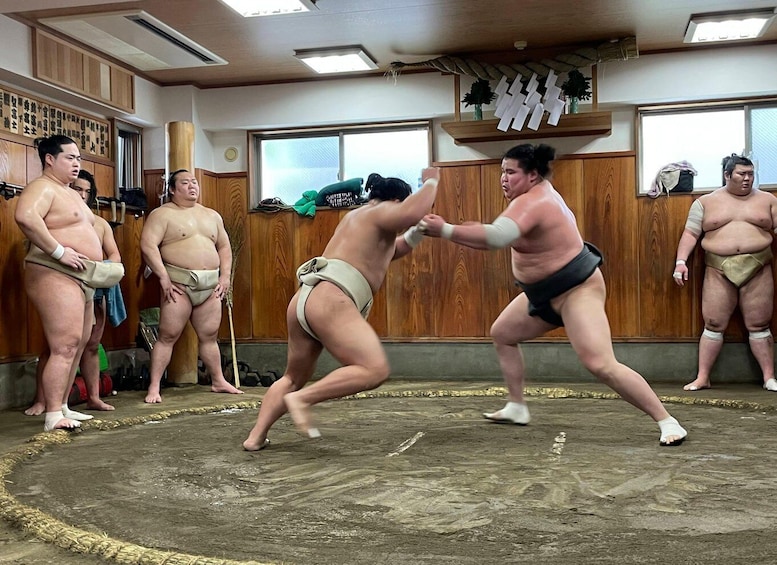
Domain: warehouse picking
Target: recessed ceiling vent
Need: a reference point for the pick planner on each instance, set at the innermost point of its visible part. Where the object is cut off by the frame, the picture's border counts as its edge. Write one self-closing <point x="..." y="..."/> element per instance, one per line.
<point x="137" y="38"/>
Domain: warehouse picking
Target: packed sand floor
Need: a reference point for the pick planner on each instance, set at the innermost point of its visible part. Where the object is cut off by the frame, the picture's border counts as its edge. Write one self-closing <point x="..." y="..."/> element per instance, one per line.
<point x="411" y="474"/>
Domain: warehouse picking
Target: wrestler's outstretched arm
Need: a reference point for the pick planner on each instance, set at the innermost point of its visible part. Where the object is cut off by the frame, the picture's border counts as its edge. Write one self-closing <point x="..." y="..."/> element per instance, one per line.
<point x="503" y="232"/>
<point x="409" y="213"/>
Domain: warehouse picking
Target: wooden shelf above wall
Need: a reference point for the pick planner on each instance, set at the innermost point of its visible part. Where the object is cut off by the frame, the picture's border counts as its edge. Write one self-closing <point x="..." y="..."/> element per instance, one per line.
<point x="569" y="125"/>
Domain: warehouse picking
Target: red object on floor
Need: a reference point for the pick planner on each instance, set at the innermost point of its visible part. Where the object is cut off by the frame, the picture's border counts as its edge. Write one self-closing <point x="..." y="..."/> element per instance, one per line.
<point x="78" y="392"/>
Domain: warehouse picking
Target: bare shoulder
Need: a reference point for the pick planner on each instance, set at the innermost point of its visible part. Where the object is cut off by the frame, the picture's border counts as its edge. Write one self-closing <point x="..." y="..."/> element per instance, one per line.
<point x="158" y="214"/>
<point x="767" y="196"/>
<point x="101" y="223"/>
<point x="39" y="186"/>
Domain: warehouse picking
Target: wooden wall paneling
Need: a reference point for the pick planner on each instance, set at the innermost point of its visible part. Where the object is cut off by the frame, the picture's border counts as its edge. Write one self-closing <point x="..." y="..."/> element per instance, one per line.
<point x="208" y="189"/>
<point x="34" y="168"/>
<point x="458" y="269"/>
<point x="154" y="186"/>
<point x="14" y="305"/>
<point x="666" y="310"/>
<point x="498" y="283"/>
<point x="611" y="223"/>
<point x="132" y="285"/>
<point x="272" y="272"/>
<point x="105" y="179"/>
<point x="232" y="203"/>
<point x="13" y="163"/>
<point x="411" y="294"/>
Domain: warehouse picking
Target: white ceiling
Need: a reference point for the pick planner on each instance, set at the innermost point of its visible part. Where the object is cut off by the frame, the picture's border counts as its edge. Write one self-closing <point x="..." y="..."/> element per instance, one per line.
<point x="261" y="50"/>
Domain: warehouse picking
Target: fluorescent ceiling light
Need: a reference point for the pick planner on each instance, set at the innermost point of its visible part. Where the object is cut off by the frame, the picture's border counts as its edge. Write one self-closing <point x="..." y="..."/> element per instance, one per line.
<point x="728" y="26"/>
<point x="253" y="8"/>
<point x="337" y="59"/>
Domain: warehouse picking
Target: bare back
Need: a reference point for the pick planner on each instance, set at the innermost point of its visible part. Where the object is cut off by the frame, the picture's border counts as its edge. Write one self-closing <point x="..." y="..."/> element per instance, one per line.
<point x="64" y="214"/>
<point x="735" y="224"/>
<point x="549" y="235"/>
<point x="188" y="236"/>
<point x="363" y="239"/>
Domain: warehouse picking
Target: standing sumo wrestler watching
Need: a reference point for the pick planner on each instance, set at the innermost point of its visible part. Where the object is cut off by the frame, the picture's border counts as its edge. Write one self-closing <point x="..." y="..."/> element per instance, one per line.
<point x="186" y="246"/>
<point x="62" y="269"/>
<point x="737" y="221"/>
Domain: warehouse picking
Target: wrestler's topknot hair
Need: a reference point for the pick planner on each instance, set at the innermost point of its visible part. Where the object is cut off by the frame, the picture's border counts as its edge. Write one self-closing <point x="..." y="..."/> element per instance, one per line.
<point x="730" y="162"/>
<point x="51" y="146"/>
<point x="533" y="157"/>
<point x="390" y="188"/>
<point x="87" y="176"/>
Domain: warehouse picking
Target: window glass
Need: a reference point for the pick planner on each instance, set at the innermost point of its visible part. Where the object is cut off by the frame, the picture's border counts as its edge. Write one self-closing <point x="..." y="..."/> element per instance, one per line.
<point x="700" y="137"/>
<point x="764" y="144"/>
<point x="290" y="167"/>
<point x="400" y="154"/>
<point x="288" y="163"/>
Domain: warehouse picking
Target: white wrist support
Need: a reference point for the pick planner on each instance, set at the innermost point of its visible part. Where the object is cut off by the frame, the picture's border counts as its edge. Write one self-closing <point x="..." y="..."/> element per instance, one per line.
<point x="413" y="236"/>
<point x="446" y="232"/>
<point x="58" y="252"/>
<point x="679" y="262"/>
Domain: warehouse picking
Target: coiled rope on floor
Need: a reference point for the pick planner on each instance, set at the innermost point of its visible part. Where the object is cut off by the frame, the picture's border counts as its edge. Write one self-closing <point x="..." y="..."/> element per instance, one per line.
<point x="618" y="50"/>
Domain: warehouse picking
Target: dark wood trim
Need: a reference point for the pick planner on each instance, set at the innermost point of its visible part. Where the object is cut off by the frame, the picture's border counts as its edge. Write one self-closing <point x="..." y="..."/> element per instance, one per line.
<point x="569" y="125"/>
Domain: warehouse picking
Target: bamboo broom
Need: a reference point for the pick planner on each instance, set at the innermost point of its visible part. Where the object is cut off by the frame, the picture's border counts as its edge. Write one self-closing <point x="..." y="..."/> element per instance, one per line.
<point x="236" y="233"/>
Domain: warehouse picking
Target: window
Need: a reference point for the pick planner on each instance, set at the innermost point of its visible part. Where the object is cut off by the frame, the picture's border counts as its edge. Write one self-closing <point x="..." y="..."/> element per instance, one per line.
<point x="289" y="162"/>
<point x="129" y="171"/>
<point x="702" y="135"/>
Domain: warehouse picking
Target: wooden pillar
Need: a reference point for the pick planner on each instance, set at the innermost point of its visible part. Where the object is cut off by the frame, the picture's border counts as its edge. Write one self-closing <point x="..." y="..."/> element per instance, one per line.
<point x="180" y="155"/>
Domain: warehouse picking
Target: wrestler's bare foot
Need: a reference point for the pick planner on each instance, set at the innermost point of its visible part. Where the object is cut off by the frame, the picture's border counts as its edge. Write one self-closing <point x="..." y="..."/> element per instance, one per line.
<point x="299" y="412"/>
<point x="153" y="396"/>
<point x="224" y="386"/>
<point x="254" y="445"/>
<point x="99" y="405"/>
<point x="698" y="384"/>
<point x="36" y="409"/>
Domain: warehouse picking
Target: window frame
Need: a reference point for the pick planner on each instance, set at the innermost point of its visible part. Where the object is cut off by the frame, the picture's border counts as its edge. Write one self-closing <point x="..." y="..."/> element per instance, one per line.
<point x="120" y="126"/>
<point x="744" y="104"/>
<point x="256" y="136"/>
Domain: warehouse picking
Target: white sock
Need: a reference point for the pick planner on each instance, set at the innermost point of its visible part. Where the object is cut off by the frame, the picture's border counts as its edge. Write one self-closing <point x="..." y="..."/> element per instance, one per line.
<point x="73" y="415"/>
<point x="671" y="427"/>
<point x="52" y="418"/>
<point x="515" y="412"/>
<point x="771" y="385"/>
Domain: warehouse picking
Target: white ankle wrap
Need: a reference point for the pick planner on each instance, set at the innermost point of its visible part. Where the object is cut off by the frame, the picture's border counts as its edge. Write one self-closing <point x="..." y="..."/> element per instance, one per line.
<point x="714" y="336"/>
<point x="765" y="334"/>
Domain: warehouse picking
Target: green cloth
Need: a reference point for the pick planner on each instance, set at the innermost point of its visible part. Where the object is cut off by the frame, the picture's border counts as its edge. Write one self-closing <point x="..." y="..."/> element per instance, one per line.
<point x="306" y="206"/>
<point x="350" y="185"/>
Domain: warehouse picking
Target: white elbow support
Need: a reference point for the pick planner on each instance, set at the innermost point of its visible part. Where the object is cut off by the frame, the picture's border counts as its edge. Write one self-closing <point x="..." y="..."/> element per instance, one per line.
<point x="695" y="215"/>
<point x="765" y="334"/>
<point x="413" y="236"/>
<point x="714" y="336"/>
<point x="501" y="233"/>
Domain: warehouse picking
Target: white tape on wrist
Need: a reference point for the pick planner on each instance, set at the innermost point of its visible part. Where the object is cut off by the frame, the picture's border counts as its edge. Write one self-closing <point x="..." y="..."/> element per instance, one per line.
<point x="679" y="262"/>
<point x="413" y="236"/>
<point x="446" y="232"/>
<point x="58" y="252"/>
